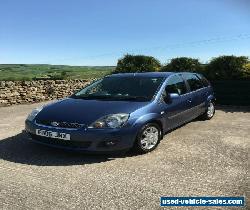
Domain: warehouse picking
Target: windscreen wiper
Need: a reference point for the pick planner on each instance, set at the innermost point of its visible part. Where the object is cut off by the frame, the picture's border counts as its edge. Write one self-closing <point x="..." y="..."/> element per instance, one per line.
<point x="91" y="97"/>
<point x="134" y="98"/>
<point x="125" y="98"/>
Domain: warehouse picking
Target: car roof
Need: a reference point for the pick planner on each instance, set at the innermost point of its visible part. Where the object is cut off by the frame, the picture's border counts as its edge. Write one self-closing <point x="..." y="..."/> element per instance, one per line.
<point x="143" y="74"/>
<point x="148" y="74"/>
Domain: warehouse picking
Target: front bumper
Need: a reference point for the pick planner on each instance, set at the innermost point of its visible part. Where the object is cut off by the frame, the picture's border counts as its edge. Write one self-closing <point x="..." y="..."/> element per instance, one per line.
<point x="92" y="140"/>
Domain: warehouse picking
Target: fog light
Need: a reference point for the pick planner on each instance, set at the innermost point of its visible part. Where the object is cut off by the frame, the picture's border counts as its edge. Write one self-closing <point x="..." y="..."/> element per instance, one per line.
<point x="110" y="143"/>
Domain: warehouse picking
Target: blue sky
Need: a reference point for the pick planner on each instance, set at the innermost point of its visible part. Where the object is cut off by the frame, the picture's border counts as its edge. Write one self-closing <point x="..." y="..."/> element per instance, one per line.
<point x="98" y="32"/>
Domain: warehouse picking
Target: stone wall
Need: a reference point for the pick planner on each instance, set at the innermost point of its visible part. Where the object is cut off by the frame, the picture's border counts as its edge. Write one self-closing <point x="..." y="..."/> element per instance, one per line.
<point x="22" y="92"/>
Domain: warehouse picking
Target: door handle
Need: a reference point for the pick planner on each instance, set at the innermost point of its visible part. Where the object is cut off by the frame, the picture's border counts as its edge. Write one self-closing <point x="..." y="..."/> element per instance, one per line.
<point x="189" y="100"/>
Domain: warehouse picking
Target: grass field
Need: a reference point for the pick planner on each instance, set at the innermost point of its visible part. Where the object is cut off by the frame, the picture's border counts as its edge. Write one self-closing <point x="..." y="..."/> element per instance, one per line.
<point x="38" y="71"/>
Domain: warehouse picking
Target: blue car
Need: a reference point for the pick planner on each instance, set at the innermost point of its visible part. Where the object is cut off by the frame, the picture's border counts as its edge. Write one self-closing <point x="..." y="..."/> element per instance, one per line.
<point x="123" y="111"/>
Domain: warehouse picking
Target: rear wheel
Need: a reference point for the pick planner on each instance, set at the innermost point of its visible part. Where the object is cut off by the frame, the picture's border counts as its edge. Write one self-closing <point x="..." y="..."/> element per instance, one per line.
<point x="148" y="138"/>
<point x="209" y="112"/>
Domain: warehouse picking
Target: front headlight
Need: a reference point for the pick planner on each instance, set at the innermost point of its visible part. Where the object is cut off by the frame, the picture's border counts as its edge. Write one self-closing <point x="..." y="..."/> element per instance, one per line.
<point x="34" y="113"/>
<point x="111" y="121"/>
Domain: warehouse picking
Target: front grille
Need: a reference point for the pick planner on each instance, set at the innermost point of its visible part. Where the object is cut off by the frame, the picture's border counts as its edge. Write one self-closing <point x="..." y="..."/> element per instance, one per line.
<point x="60" y="124"/>
<point x="60" y="142"/>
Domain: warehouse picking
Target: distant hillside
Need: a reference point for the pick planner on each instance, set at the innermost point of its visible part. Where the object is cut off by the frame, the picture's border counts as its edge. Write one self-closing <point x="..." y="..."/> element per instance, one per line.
<point x="43" y="71"/>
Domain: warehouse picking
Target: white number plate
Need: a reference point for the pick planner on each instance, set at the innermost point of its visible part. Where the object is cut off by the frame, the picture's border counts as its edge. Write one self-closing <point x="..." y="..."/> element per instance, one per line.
<point x="52" y="134"/>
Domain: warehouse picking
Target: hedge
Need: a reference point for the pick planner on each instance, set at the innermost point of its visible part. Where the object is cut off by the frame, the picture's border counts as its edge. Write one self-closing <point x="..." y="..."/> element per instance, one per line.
<point x="232" y="92"/>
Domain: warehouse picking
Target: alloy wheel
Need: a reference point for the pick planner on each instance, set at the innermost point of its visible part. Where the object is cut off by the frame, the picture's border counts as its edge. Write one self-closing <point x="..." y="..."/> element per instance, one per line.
<point x="149" y="138"/>
<point x="210" y="110"/>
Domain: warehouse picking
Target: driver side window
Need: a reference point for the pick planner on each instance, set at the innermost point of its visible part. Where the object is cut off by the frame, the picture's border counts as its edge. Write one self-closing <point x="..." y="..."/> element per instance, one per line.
<point x="176" y="85"/>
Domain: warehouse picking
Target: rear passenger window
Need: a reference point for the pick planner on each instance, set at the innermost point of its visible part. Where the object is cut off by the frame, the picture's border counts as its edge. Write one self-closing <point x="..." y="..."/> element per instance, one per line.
<point x="193" y="81"/>
<point x="204" y="81"/>
<point x="176" y="85"/>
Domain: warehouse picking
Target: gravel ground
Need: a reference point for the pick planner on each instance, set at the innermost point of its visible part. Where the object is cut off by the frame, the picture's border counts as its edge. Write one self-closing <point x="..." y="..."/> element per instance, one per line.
<point x="201" y="158"/>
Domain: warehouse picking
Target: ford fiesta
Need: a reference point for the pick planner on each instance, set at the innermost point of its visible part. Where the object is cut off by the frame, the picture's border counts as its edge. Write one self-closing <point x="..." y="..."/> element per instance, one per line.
<point x="123" y="111"/>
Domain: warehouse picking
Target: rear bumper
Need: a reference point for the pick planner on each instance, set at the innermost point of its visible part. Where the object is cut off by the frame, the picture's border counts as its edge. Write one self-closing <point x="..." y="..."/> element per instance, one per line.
<point x="89" y="140"/>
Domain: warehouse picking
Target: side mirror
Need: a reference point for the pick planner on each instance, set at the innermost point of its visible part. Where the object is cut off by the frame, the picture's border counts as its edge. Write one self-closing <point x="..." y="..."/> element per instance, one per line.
<point x="170" y="97"/>
<point x="174" y="95"/>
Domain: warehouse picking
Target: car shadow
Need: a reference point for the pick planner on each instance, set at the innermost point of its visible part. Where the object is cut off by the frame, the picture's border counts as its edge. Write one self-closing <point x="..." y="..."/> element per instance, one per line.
<point x="19" y="149"/>
<point x="232" y="109"/>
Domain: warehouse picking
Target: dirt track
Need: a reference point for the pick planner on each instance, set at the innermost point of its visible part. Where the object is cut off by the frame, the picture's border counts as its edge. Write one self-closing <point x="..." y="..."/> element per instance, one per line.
<point x="202" y="158"/>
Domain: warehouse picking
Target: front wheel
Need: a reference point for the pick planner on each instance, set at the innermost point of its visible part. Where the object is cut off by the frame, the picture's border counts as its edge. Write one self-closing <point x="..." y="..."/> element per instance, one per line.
<point x="209" y="112"/>
<point x="148" y="138"/>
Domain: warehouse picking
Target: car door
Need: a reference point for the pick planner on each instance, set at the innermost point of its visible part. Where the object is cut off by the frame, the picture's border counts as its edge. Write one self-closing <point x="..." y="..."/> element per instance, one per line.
<point x="206" y="91"/>
<point x="196" y="94"/>
<point x="175" y="110"/>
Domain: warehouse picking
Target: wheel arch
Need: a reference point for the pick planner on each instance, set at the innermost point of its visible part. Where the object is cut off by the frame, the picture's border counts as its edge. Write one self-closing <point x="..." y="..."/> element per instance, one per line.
<point x="211" y="98"/>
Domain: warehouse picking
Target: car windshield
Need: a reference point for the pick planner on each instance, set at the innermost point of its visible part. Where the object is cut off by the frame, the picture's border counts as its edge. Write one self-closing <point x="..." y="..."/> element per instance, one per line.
<point x="121" y="88"/>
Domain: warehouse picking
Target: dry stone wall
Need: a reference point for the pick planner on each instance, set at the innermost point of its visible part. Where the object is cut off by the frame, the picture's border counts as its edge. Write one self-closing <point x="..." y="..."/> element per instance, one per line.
<point x="23" y="92"/>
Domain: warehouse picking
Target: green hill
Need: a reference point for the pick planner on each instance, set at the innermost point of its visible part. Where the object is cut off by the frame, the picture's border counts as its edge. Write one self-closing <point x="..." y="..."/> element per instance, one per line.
<point x="43" y="71"/>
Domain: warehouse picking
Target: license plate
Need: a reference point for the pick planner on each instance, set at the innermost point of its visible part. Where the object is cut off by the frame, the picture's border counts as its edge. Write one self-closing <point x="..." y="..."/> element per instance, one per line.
<point x="52" y="134"/>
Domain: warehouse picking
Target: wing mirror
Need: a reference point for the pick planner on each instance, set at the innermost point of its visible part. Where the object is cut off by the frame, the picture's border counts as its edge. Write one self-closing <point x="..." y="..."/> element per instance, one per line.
<point x="170" y="97"/>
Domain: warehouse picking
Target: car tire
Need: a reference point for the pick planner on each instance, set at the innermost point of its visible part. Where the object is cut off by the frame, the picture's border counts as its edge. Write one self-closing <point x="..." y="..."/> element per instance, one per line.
<point x="210" y="111"/>
<point x="148" y="138"/>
